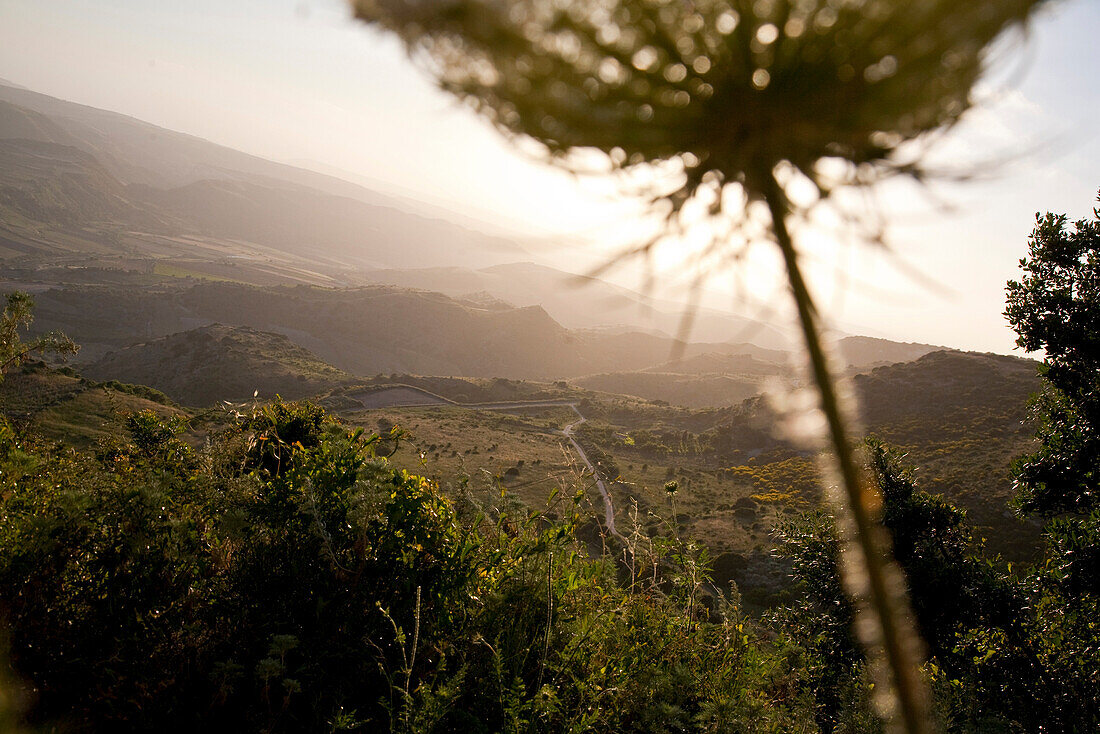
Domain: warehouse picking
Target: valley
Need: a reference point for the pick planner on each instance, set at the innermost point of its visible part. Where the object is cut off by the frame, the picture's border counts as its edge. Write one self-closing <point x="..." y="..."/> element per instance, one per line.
<point x="215" y="278"/>
<point x="618" y="367"/>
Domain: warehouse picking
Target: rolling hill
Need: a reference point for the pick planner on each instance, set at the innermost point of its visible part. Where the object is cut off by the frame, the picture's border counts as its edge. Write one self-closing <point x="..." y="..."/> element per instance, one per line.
<point x="213" y="363"/>
<point x="61" y="406"/>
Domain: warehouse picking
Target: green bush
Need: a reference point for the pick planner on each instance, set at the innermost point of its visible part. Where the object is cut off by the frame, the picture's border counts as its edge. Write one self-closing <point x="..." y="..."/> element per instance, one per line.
<point x="285" y="579"/>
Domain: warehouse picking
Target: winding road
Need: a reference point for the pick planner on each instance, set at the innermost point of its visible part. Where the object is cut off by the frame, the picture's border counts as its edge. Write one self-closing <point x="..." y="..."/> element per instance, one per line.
<point x="608" y="508"/>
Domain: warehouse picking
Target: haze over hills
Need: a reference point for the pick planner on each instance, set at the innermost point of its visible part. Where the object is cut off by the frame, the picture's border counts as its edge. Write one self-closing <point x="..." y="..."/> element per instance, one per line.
<point x="719" y="379"/>
<point x="138" y="152"/>
<point x="82" y="185"/>
<point x="202" y="189"/>
<point x="578" y="301"/>
<point x="363" y="330"/>
<point x="82" y="188"/>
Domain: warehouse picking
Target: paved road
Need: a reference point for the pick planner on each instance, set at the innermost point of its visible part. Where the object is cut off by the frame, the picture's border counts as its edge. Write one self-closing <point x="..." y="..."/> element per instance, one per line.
<point x="608" y="508"/>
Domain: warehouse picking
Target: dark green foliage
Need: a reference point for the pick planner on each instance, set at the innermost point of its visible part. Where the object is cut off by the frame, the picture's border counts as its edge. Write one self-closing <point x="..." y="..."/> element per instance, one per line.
<point x="1074" y="549"/>
<point x="286" y="579"/>
<point x="820" y="619"/>
<point x="952" y="588"/>
<point x="1055" y="308"/>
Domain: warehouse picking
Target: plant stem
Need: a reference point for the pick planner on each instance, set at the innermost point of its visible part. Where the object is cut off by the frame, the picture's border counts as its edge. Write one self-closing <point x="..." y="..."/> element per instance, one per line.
<point x="888" y="606"/>
<point x="412" y="660"/>
<point x="549" y="618"/>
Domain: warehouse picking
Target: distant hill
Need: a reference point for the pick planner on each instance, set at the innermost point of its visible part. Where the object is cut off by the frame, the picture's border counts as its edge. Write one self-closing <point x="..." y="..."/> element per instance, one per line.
<point x="138" y="152"/>
<point x="750" y="360"/>
<point x="44" y="182"/>
<point x="212" y="363"/>
<point x="363" y="331"/>
<point x="863" y="352"/>
<point x="578" y="302"/>
<point x="370" y="330"/>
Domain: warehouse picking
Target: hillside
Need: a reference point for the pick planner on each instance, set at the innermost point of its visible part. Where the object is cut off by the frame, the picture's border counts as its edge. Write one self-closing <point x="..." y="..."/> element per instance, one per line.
<point x="162" y="183"/>
<point x="212" y="363"/>
<point x="60" y="406"/>
<point x="363" y="331"/>
<point x="962" y="417"/>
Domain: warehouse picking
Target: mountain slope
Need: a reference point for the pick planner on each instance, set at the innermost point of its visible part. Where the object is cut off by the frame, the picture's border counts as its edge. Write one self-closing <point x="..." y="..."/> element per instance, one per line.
<point x="198" y="187"/>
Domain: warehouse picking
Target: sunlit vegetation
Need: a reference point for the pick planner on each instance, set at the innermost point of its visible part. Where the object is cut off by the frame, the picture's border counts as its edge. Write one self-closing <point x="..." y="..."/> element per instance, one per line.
<point x="284" y="578"/>
<point x="267" y="567"/>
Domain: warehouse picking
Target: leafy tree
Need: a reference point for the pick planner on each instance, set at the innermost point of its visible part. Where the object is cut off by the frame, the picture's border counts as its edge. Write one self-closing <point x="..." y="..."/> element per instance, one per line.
<point x="18" y="314"/>
<point x="1055" y="308"/>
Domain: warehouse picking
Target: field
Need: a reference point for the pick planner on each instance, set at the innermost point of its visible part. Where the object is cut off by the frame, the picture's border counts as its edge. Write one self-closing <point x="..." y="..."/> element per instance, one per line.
<point x="959" y="418"/>
<point x="521" y="453"/>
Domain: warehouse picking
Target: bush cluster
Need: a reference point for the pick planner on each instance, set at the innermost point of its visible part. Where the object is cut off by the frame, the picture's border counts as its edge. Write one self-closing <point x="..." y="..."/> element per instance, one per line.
<point x="284" y="578"/>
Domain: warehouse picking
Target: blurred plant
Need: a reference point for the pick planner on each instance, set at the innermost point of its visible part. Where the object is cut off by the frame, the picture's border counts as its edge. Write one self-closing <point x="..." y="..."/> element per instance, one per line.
<point x="728" y="102"/>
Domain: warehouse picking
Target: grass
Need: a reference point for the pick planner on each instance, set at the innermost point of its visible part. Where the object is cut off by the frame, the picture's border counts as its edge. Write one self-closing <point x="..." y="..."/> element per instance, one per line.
<point x="461" y="448"/>
<point x="73" y="410"/>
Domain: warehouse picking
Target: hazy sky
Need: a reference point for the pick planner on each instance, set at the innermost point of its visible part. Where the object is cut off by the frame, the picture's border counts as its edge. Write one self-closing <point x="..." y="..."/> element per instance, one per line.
<point x="298" y="81"/>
